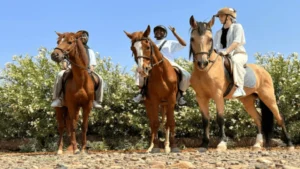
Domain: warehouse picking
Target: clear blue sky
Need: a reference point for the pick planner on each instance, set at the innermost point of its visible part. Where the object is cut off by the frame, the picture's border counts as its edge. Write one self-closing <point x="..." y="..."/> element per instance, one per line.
<point x="270" y="25"/>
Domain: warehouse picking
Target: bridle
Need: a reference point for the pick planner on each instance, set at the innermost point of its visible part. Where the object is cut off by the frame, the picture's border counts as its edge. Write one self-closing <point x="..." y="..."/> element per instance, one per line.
<point x="66" y="55"/>
<point x="202" y="53"/>
<point x="147" y="57"/>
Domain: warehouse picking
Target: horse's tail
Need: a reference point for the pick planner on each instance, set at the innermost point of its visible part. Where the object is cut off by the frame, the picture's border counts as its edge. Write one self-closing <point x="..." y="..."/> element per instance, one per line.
<point x="267" y="122"/>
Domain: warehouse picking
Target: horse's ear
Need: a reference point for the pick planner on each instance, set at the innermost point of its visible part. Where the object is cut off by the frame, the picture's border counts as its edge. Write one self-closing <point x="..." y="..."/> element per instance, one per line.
<point x="59" y="34"/>
<point x="128" y="34"/>
<point x="211" y="22"/>
<point x="193" y="22"/>
<point x="147" y="31"/>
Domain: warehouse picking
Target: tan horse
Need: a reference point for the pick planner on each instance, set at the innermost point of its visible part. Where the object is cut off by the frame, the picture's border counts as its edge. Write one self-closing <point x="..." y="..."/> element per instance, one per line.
<point x="161" y="89"/>
<point x="79" y="90"/>
<point x="209" y="82"/>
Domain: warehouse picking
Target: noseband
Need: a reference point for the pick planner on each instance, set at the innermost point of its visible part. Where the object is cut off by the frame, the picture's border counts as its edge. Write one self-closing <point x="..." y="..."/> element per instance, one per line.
<point x="151" y="53"/>
<point x="203" y="53"/>
<point x="66" y="56"/>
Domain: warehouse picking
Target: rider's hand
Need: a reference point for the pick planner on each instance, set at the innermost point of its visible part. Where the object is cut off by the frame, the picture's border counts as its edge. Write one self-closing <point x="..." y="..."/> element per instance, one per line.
<point x="92" y="68"/>
<point x="172" y="29"/>
<point x="223" y="53"/>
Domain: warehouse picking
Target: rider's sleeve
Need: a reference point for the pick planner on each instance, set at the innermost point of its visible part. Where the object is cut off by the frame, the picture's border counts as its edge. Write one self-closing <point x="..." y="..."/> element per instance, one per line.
<point x="175" y="46"/>
<point x="239" y="35"/>
<point x="92" y="58"/>
<point x="217" y="41"/>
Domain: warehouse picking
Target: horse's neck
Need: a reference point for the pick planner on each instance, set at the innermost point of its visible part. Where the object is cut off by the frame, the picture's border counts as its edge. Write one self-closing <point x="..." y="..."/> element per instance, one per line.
<point x="79" y="70"/>
<point x="158" y="57"/>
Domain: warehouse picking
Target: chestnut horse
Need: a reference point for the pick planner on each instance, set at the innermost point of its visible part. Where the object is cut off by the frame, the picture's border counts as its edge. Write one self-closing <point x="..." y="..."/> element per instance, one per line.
<point x="209" y="82"/>
<point x="79" y="89"/>
<point x="161" y="89"/>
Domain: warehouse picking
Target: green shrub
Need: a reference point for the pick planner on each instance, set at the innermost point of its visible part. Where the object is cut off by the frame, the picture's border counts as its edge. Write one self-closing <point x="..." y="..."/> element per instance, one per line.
<point x="26" y="92"/>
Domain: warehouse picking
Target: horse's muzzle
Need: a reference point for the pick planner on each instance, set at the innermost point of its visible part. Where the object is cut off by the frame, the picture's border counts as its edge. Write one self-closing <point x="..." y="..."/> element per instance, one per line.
<point x="144" y="72"/>
<point x="202" y="64"/>
<point x="55" y="56"/>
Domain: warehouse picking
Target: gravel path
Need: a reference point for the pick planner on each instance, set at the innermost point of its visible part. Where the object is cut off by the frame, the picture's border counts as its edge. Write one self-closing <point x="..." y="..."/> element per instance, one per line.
<point x="189" y="158"/>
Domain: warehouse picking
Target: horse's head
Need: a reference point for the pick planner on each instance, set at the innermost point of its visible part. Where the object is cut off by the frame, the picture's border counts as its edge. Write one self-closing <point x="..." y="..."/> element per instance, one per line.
<point x="66" y="44"/>
<point x="201" y="45"/>
<point x="142" y="49"/>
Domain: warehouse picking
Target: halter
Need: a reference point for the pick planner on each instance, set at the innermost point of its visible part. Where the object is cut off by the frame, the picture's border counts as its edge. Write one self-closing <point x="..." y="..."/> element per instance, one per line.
<point x="147" y="57"/>
<point x="202" y="53"/>
<point x="66" y="56"/>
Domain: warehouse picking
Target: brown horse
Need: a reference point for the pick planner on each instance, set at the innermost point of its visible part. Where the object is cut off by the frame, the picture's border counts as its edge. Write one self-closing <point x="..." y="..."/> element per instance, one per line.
<point x="209" y="82"/>
<point x="79" y="89"/>
<point x="161" y="89"/>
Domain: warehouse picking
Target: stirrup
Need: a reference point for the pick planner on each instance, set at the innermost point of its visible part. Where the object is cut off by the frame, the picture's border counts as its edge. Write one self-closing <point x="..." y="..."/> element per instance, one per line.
<point x="56" y="103"/>
<point x="96" y="105"/>
<point x="138" y="98"/>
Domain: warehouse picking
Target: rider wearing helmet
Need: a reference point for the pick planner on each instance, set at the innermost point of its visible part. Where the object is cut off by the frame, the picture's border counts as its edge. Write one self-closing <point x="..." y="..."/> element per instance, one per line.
<point x="57" y="96"/>
<point x="230" y="39"/>
<point x="168" y="48"/>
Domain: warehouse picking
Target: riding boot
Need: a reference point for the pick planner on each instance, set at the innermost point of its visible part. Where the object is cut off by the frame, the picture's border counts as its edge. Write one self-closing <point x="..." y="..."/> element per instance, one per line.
<point x="180" y="99"/>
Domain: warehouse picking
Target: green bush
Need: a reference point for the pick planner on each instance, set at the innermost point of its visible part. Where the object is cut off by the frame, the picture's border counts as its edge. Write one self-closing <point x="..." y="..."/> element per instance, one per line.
<point x="26" y="92"/>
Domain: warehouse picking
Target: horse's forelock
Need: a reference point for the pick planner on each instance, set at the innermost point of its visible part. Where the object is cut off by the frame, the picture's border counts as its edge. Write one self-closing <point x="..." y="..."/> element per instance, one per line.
<point x="202" y="27"/>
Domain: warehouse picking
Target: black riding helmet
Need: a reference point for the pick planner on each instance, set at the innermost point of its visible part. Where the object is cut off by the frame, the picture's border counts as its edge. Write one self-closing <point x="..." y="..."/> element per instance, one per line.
<point x="84" y="31"/>
<point x="161" y="27"/>
<point x="87" y="38"/>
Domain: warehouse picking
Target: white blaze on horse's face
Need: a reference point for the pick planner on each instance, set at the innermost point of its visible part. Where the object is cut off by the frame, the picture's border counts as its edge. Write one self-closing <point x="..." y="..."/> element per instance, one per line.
<point x="63" y="39"/>
<point x="139" y="52"/>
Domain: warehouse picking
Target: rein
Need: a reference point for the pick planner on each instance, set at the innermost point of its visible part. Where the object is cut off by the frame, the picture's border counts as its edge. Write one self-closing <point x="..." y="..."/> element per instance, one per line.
<point x="202" y="53"/>
<point x="66" y="56"/>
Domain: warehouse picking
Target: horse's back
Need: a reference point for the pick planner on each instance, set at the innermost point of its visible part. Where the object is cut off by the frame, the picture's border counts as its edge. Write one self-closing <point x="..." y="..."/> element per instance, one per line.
<point x="263" y="77"/>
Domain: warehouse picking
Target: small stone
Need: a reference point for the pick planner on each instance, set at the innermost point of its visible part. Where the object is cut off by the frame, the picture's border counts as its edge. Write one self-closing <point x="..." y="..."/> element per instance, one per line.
<point x="183" y="164"/>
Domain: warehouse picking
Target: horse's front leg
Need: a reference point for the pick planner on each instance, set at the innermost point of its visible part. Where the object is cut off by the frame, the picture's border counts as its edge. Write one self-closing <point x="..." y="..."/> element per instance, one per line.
<point x="59" y="112"/>
<point x="73" y="117"/>
<point x="220" y="120"/>
<point x="86" y="112"/>
<point x="152" y="113"/>
<point x="170" y="129"/>
<point x="204" y="109"/>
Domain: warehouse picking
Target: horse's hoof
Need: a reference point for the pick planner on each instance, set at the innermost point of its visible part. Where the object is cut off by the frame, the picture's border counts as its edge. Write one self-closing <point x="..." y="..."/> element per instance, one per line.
<point x="256" y="147"/>
<point x="202" y="150"/>
<point x="77" y="151"/>
<point x="167" y="150"/>
<point x="175" y="150"/>
<point x="222" y="146"/>
<point x="59" y="152"/>
<point x="155" y="150"/>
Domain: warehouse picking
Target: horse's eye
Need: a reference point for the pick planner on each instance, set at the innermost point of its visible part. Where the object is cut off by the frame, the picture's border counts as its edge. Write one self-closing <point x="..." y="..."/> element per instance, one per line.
<point x="192" y="39"/>
<point x="148" y="48"/>
<point x="69" y="42"/>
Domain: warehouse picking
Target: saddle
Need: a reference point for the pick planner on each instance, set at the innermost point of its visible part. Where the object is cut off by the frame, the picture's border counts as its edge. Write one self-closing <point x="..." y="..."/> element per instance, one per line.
<point x="229" y="73"/>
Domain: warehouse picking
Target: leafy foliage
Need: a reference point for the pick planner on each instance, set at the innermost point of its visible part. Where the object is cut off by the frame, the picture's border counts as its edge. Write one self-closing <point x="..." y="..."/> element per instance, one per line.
<point x="26" y="93"/>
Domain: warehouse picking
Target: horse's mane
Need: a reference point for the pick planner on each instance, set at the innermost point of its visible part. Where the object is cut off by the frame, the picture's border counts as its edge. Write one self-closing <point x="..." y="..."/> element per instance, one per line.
<point x="82" y="52"/>
<point x="202" y="27"/>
